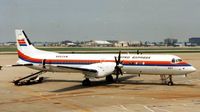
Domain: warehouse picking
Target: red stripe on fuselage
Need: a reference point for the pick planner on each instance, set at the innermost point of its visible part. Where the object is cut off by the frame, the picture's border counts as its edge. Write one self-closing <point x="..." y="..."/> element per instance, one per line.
<point x="23" y="56"/>
<point x="28" y="58"/>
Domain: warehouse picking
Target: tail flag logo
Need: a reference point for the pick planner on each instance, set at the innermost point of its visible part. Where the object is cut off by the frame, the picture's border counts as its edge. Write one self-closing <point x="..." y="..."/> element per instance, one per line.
<point x="22" y="42"/>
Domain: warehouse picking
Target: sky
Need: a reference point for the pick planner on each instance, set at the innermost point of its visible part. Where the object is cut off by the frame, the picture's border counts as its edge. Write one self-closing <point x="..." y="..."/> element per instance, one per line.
<point x="130" y="20"/>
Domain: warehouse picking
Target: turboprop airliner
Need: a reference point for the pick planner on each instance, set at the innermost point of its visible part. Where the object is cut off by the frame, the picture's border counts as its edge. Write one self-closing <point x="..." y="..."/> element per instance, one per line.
<point x="97" y="65"/>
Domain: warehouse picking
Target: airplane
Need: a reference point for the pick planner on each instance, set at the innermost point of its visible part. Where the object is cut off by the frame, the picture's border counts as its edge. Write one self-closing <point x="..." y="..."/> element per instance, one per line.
<point x="96" y="65"/>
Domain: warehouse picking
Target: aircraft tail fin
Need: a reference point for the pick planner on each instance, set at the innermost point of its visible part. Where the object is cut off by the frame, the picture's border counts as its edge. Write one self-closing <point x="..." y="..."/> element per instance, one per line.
<point x="25" y="47"/>
<point x="23" y="42"/>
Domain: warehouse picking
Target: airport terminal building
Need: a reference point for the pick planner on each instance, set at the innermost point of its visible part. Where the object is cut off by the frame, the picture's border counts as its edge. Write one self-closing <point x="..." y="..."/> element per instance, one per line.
<point x="195" y="40"/>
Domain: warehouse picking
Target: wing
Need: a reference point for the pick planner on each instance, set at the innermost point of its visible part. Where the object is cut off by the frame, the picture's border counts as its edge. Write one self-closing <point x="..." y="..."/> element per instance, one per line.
<point x="80" y="69"/>
<point x="97" y="70"/>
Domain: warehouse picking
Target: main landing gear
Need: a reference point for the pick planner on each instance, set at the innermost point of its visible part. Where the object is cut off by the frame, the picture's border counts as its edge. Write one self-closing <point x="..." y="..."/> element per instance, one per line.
<point x="86" y="82"/>
<point x="30" y="79"/>
<point x="109" y="79"/>
<point x="165" y="80"/>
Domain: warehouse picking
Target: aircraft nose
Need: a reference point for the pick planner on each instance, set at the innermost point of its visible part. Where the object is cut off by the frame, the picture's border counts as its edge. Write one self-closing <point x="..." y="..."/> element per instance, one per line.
<point x="190" y="69"/>
<point x="193" y="69"/>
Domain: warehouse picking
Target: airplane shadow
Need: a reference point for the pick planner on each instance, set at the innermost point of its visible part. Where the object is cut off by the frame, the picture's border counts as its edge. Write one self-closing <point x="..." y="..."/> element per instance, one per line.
<point x="93" y="84"/>
<point x="60" y="80"/>
<point x="123" y="80"/>
<point x="141" y="82"/>
<point x="153" y="82"/>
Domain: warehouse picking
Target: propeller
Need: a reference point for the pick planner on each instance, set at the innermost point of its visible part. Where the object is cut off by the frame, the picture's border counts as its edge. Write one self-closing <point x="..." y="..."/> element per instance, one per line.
<point x="118" y="66"/>
<point x="138" y="52"/>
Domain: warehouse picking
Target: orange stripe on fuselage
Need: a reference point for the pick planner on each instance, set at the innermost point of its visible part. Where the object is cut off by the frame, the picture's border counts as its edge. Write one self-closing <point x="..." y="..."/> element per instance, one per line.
<point x="21" y="55"/>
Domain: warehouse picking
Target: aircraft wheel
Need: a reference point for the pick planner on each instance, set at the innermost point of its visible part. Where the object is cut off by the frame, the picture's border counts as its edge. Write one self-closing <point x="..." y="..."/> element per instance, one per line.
<point x="170" y="83"/>
<point x="109" y="78"/>
<point x="86" y="82"/>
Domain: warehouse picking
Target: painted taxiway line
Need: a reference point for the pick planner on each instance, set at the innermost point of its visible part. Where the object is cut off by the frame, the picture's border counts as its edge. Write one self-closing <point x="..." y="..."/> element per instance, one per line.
<point x="123" y="107"/>
<point x="161" y="110"/>
<point x="149" y="109"/>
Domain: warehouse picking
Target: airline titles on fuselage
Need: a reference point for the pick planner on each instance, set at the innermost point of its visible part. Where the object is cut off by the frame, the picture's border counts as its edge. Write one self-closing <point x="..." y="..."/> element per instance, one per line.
<point x="141" y="57"/>
<point x="136" y="57"/>
<point x="62" y="56"/>
<point x="123" y="57"/>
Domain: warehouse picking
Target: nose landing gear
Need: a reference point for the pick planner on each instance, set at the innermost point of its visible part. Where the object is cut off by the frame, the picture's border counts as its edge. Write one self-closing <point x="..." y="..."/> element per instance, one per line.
<point x="165" y="80"/>
<point x="170" y="83"/>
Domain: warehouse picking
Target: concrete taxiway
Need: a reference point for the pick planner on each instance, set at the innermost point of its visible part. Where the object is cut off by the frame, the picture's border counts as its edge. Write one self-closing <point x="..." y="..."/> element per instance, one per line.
<point x="62" y="92"/>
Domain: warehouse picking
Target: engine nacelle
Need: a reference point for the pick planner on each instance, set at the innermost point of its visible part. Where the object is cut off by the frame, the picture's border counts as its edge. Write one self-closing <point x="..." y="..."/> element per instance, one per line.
<point x="104" y="69"/>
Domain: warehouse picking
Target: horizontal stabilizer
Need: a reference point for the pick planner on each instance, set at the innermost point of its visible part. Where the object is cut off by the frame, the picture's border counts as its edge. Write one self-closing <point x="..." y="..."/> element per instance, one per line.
<point x="17" y="65"/>
<point x="79" y="69"/>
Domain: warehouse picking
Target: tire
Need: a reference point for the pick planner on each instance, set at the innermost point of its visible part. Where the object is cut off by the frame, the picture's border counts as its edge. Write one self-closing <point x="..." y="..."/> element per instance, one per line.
<point x="109" y="79"/>
<point x="170" y="83"/>
<point x="86" y="82"/>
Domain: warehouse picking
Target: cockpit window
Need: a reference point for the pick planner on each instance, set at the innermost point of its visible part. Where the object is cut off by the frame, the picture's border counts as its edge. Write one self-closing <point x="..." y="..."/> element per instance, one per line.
<point x="173" y="60"/>
<point x="178" y="60"/>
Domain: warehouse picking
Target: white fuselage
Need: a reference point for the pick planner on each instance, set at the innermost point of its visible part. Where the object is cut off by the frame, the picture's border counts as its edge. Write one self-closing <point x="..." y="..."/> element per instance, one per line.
<point x="98" y="65"/>
<point x="132" y="64"/>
